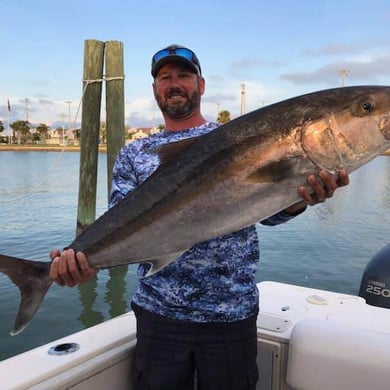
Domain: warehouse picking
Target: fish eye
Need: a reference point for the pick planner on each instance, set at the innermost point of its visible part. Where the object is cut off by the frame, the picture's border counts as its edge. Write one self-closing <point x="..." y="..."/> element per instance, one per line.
<point x="367" y="106"/>
<point x="363" y="106"/>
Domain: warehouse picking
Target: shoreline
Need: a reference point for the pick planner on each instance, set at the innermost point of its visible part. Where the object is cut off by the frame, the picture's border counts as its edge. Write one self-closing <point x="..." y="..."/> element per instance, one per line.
<point x="70" y="148"/>
<point x="45" y="148"/>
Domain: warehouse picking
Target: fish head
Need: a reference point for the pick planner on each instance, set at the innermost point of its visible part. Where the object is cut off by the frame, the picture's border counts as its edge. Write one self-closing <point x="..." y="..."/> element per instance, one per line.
<point x="353" y="130"/>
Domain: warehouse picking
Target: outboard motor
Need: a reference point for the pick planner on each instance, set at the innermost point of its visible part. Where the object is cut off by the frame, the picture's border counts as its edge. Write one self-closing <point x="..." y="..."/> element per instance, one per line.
<point x="375" y="284"/>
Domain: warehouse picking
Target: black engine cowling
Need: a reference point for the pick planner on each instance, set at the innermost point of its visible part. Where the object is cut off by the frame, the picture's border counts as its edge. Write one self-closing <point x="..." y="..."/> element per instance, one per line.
<point x="375" y="284"/>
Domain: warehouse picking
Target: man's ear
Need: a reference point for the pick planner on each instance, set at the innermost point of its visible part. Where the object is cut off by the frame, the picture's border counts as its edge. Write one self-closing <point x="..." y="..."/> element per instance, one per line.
<point x="202" y="85"/>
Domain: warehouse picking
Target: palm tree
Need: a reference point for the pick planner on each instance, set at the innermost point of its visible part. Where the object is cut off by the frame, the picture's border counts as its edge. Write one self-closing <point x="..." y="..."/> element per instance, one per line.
<point x="43" y="130"/>
<point x="22" y="130"/>
<point x="223" y="117"/>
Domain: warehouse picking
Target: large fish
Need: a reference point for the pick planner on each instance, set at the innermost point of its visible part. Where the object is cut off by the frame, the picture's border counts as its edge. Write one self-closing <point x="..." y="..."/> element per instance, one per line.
<point x="232" y="177"/>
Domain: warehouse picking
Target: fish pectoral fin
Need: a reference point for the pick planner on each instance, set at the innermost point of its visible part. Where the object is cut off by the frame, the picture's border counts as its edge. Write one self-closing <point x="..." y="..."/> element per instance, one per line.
<point x="33" y="280"/>
<point x="275" y="171"/>
<point x="160" y="263"/>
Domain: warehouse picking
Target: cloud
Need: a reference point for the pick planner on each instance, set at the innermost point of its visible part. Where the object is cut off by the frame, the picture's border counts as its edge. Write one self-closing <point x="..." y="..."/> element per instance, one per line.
<point x="144" y="118"/>
<point x="245" y="65"/>
<point x="217" y="98"/>
<point x="376" y="69"/>
<point x="45" y="102"/>
<point x="330" y="50"/>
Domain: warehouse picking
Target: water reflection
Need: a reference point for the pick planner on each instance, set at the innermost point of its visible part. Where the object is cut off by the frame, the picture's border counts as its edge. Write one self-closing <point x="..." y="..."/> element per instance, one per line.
<point x="88" y="295"/>
<point x="115" y="296"/>
<point x="116" y="290"/>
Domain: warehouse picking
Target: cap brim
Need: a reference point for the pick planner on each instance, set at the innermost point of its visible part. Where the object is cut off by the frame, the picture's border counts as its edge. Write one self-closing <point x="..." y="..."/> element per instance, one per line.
<point x="173" y="58"/>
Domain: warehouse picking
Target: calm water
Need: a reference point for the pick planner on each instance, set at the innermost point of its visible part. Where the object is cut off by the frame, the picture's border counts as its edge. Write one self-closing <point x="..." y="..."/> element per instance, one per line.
<point x="326" y="247"/>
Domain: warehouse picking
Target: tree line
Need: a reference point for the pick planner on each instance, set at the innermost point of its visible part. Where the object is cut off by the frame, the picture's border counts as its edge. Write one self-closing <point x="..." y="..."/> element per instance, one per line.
<point x="22" y="132"/>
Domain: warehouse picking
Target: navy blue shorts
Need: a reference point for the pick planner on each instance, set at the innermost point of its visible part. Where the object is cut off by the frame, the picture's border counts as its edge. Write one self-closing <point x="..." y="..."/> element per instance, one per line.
<point x="174" y="355"/>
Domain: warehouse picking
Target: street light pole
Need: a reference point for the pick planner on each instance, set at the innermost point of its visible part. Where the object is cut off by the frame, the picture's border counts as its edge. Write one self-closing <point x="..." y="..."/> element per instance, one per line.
<point x="218" y="109"/>
<point x="242" y="99"/>
<point x="63" y="129"/>
<point x="343" y="73"/>
<point x="68" y="102"/>
<point x="27" y="100"/>
<point x="153" y="107"/>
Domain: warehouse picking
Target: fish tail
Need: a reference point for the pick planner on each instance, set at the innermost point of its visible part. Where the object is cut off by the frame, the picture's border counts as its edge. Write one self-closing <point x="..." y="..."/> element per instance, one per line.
<point x="33" y="280"/>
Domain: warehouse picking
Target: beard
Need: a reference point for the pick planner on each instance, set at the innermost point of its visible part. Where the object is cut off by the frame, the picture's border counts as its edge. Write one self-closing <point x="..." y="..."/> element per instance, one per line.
<point x="178" y="110"/>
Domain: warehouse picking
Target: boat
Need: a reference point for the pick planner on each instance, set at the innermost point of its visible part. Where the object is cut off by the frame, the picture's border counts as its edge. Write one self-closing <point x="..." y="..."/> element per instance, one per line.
<point x="307" y="339"/>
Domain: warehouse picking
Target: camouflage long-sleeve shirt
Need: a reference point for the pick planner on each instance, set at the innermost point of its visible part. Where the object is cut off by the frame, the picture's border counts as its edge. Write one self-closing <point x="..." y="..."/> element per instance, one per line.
<point x="213" y="281"/>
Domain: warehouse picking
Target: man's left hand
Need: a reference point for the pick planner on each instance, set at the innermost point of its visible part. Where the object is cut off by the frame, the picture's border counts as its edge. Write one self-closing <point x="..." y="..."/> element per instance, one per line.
<point x="322" y="187"/>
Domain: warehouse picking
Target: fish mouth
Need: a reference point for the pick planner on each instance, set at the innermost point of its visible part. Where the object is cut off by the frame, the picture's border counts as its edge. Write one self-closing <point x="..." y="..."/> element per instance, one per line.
<point x="384" y="126"/>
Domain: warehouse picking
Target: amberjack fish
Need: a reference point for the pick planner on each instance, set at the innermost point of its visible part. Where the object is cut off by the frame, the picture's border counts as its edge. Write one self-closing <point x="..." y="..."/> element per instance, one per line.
<point x="237" y="175"/>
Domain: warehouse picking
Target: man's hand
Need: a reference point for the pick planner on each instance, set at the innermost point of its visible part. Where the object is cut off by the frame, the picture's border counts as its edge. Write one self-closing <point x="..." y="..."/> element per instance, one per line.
<point x="322" y="186"/>
<point x="70" y="269"/>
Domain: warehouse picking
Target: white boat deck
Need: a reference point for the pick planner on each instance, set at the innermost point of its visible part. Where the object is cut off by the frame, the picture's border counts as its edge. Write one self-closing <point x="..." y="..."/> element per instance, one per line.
<point x="307" y="339"/>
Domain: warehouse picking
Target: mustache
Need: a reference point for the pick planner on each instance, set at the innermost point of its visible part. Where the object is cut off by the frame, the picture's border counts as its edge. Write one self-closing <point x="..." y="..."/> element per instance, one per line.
<point x="176" y="92"/>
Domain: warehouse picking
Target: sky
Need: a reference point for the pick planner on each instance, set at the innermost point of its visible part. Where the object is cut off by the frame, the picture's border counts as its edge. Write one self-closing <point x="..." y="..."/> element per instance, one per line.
<point x="277" y="49"/>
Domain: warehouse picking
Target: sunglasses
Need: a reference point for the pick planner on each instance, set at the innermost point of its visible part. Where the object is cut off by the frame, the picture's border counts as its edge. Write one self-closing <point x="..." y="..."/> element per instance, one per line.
<point x="181" y="52"/>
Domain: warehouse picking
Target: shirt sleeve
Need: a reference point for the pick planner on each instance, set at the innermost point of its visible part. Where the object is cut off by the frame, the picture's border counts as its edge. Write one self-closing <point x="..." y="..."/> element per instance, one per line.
<point x="124" y="176"/>
<point x="278" y="218"/>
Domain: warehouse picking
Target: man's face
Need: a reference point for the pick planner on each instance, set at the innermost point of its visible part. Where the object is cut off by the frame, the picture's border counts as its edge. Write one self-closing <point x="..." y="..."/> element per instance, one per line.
<point x="178" y="90"/>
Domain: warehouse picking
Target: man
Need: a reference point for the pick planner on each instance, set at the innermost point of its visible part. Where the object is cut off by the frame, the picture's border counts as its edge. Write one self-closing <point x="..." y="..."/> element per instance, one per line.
<point x="198" y="314"/>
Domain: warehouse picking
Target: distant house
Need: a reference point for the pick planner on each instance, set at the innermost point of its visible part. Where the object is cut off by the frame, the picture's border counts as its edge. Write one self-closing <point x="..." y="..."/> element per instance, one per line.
<point x="140" y="132"/>
<point x="61" y="137"/>
<point x="72" y="136"/>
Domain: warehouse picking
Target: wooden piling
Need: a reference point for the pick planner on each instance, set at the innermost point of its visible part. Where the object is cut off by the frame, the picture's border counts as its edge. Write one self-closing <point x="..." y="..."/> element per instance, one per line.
<point x="89" y="134"/>
<point x="115" y="104"/>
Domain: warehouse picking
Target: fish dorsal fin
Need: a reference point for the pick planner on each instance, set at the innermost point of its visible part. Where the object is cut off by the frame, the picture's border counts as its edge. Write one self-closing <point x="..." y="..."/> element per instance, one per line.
<point x="170" y="152"/>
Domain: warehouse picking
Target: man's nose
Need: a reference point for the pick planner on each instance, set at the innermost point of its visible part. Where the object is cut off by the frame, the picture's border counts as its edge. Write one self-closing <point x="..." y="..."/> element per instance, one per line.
<point x="174" y="81"/>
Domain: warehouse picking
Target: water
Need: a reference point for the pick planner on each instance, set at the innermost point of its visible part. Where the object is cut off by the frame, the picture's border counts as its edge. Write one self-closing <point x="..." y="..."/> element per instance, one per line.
<point x="327" y="247"/>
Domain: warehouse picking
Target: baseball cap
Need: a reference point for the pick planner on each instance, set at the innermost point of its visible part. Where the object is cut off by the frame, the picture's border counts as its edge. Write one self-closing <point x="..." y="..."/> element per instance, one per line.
<point x="175" y="53"/>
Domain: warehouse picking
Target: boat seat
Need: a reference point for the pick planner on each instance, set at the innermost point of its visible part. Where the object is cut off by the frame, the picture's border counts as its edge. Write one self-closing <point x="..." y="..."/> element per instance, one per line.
<point x="327" y="355"/>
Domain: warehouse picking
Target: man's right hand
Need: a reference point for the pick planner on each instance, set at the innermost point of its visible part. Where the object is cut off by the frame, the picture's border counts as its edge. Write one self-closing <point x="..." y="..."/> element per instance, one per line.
<point x="70" y="269"/>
